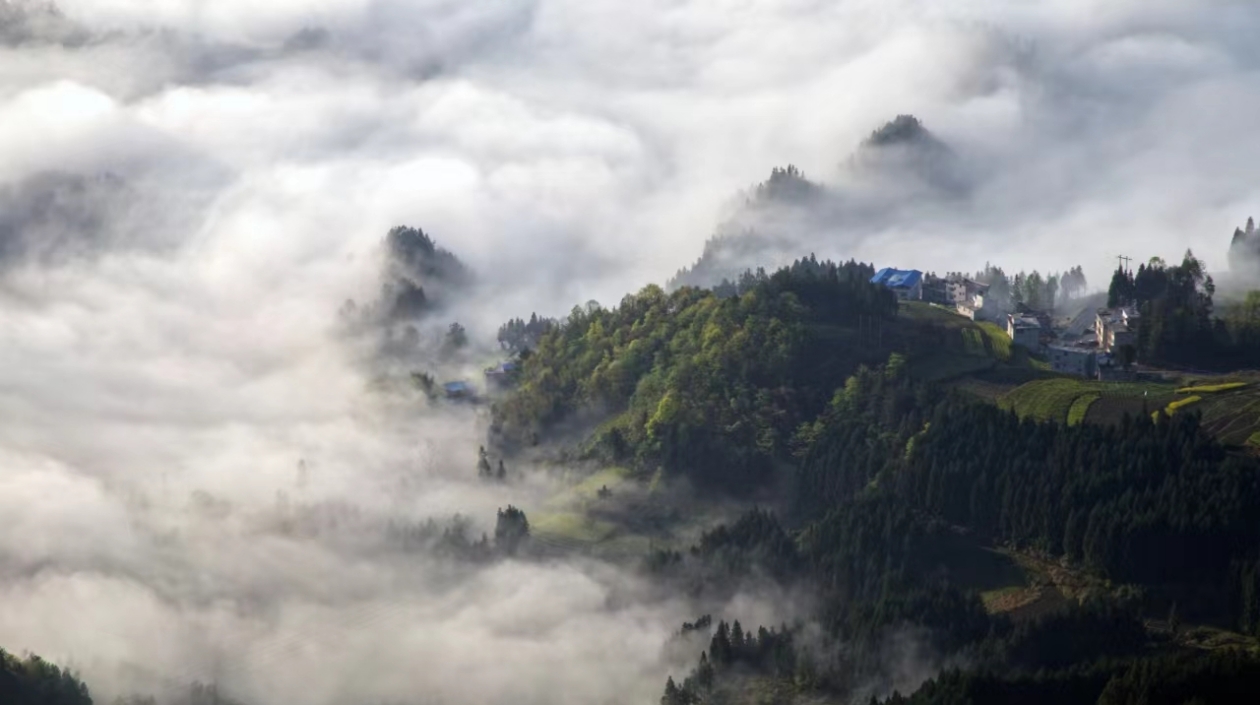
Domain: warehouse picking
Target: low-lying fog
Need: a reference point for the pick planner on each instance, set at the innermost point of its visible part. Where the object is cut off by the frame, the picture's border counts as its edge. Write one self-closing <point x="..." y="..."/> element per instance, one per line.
<point x="190" y="191"/>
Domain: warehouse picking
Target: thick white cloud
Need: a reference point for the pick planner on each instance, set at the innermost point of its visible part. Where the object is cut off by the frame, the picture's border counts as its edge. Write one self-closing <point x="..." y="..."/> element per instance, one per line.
<point x="567" y="150"/>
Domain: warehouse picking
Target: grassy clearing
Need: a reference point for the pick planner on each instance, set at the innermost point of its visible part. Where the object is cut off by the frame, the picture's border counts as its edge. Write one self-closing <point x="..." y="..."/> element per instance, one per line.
<point x="1213" y="638"/>
<point x="967" y="349"/>
<point x="570" y="527"/>
<point x="1212" y="388"/>
<point x="609" y="477"/>
<point x="1007" y="598"/>
<point x="1080" y="408"/>
<point x="929" y="313"/>
<point x="586" y="490"/>
<point x="999" y="343"/>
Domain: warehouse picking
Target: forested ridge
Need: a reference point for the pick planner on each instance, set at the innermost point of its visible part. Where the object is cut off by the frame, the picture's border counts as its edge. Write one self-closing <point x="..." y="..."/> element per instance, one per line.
<point x="33" y="681"/>
<point x="897" y="478"/>
<point x="882" y="487"/>
<point x="701" y="384"/>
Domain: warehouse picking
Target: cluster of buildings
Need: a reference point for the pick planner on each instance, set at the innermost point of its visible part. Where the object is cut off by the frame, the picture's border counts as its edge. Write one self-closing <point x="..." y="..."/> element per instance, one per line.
<point x="964" y="295"/>
<point x="1104" y="351"/>
<point x="1097" y="352"/>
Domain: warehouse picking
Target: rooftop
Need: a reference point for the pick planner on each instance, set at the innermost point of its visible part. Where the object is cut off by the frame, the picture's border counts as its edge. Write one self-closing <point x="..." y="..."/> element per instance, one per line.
<point x="897" y="278"/>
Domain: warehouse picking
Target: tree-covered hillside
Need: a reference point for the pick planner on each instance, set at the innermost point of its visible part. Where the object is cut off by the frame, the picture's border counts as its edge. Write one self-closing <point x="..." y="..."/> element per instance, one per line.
<point x="33" y="681"/>
<point x="893" y="495"/>
<point x="897" y="487"/>
<point x="708" y="386"/>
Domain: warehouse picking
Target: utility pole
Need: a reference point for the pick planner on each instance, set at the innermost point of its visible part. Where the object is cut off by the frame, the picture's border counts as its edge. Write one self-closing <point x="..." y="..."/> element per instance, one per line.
<point x="1124" y="262"/>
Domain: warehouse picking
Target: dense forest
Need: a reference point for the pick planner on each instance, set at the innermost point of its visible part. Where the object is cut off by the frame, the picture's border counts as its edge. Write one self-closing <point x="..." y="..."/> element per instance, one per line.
<point x="1180" y="324"/>
<point x="34" y="681"/>
<point x="884" y="488"/>
<point x="679" y="372"/>
<point x="896" y="479"/>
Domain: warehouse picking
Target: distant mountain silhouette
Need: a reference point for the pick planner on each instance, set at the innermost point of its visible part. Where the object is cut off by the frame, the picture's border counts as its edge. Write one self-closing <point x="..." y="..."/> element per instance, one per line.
<point x="904" y="153"/>
<point x="769" y="216"/>
<point x="54" y="216"/>
<point x="417" y="274"/>
<point x="899" y="166"/>
<point x="1244" y="249"/>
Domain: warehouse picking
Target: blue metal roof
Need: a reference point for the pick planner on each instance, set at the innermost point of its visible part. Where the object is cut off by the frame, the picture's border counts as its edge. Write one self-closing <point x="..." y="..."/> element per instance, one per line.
<point x="897" y="278"/>
<point x="457" y="387"/>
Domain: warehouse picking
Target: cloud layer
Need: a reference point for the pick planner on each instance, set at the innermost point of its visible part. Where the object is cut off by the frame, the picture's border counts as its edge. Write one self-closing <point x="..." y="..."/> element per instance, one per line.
<point x="216" y="179"/>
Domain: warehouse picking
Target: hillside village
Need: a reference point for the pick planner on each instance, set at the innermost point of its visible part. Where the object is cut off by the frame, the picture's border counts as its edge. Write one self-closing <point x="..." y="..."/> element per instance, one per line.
<point x="1094" y="343"/>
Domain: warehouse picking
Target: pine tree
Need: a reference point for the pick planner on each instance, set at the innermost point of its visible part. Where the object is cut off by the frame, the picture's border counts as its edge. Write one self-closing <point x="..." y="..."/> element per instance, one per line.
<point x="672" y="695"/>
<point x="720" y="646"/>
<point x="704" y="673"/>
<point x="483" y="463"/>
<point x="511" y="530"/>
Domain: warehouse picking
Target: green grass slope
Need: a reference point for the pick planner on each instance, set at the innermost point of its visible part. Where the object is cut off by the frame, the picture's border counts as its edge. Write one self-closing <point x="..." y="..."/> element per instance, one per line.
<point x="949" y="347"/>
<point x="1230" y="409"/>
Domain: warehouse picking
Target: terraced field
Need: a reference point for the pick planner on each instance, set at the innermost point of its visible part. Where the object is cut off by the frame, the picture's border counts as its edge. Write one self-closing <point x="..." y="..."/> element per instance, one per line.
<point x="1070" y="400"/>
<point x="1233" y="416"/>
<point x="1230" y="409"/>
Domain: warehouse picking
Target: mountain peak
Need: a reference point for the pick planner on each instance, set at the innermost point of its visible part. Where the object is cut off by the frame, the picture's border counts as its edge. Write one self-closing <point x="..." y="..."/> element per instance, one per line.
<point x="1244" y="248"/>
<point x="903" y="129"/>
<point x="905" y="152"/>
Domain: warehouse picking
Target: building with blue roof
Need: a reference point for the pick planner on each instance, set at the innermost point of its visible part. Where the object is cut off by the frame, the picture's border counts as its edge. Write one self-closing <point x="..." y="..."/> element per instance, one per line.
<point x="501" y="374"/>
<point x="458" y="390"/>
<point x="907" y="284"/>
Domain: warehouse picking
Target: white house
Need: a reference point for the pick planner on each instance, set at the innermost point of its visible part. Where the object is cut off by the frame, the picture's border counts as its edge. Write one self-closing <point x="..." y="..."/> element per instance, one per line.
<point x="1116" y="328"/>
<point x="965" y="295"/>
